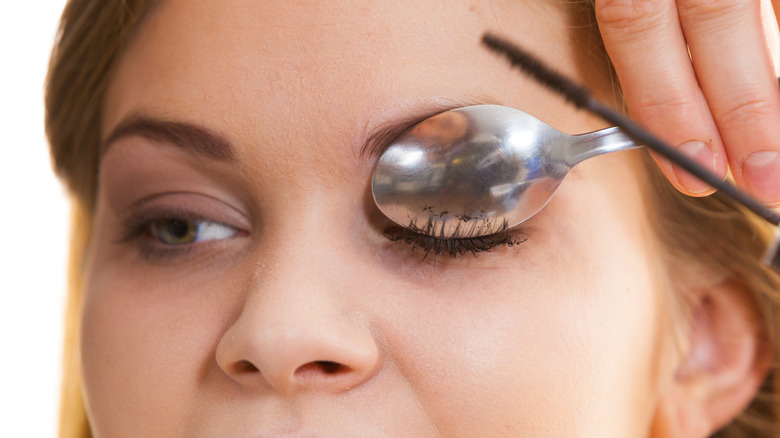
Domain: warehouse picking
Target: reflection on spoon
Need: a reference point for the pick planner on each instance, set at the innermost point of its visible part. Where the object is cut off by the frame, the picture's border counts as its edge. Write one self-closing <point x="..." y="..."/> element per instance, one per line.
<point x="478" y="170"/>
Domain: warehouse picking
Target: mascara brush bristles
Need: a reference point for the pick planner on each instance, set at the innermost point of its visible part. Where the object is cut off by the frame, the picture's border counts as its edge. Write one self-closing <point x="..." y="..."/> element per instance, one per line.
<point x="577" y="95"/>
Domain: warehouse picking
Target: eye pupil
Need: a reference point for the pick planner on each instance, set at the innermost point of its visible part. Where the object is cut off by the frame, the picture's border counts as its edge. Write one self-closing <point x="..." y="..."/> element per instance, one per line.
<point x="176" y="231"/>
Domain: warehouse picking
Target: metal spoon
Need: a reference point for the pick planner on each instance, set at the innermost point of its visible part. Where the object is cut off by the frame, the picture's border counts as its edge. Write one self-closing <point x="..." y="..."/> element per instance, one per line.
<point x="478" y="170"/>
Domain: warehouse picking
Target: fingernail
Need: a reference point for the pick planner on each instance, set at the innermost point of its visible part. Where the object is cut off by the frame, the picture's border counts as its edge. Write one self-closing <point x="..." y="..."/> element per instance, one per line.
<point x="701" y="153"/>
<point x="761" y="171"/>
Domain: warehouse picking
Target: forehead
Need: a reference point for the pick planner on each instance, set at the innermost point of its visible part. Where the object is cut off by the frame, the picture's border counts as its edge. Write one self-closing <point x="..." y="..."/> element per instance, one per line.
<point x="286" y="60"/>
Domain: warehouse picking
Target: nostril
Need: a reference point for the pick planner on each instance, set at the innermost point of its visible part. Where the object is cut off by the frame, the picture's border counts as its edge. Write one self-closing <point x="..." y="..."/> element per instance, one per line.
<point x="329" y="367"/>
<point x="321" y="367"/>
<point x="244" y="366"/>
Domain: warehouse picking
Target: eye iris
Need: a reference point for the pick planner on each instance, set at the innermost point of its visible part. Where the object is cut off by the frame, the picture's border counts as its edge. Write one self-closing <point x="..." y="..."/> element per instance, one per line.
<point x="176" y="231"/>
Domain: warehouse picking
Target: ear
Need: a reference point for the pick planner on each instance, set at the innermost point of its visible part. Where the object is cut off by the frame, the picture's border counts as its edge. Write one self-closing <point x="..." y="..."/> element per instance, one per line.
<point x="720" y="371"/>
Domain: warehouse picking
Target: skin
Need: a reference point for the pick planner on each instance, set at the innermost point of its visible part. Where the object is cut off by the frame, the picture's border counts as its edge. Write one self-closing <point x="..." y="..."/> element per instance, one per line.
<point x="721" y="103"/>
<point x="306" y="320"/>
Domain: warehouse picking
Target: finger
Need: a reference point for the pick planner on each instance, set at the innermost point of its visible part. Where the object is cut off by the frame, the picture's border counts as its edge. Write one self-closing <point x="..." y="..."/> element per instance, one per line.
<point x="649" y="52"/>
<point x="771" y="14"/>
<point x="734" y="67"/>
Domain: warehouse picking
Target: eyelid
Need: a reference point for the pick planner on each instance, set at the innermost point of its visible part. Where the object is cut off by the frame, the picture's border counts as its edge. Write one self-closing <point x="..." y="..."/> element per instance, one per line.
<point x="192" y="203"/>
<point x="179" y="205"/>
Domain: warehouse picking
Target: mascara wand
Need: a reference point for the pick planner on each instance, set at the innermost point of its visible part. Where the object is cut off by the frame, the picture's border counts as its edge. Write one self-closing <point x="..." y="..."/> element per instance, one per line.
<point x="582" y="98"/>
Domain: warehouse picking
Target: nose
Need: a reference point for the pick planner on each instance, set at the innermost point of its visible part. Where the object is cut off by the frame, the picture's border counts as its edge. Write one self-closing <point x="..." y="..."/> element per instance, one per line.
<point x="293" y="335"/>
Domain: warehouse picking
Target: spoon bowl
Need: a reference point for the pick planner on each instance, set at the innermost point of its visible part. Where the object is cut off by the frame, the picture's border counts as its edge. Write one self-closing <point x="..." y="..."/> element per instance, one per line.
<point x="478" y="170"/>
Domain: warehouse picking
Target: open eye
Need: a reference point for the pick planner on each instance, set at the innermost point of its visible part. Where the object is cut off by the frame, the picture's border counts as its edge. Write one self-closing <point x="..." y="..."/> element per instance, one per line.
<point x="176" y="232"/>
<point x="179" y="225"/>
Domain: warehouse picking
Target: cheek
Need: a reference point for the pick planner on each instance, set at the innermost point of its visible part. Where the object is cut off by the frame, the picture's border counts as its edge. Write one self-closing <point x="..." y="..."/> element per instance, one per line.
<point x="146" y="344"/>
<point x="565" y="339"/>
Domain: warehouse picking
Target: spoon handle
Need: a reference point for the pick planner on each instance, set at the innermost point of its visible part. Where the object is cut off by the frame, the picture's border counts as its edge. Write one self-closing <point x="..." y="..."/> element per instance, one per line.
<point x="591" y="144"/>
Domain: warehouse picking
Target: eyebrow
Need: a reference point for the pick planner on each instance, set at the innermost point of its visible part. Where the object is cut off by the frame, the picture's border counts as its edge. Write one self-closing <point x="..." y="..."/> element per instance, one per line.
<point x="381" y="137"/>
<point x="205" y="142"/>
<point x="188" y="136"/>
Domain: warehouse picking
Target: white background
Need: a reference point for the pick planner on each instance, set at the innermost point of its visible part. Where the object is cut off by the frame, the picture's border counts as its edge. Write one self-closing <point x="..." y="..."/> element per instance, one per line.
<point x="33" y="226"/>
<point x="33" y="223"/>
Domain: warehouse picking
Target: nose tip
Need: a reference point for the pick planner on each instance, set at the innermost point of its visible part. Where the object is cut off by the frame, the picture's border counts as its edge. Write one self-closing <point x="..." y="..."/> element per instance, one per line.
<point x="287" y="355"/>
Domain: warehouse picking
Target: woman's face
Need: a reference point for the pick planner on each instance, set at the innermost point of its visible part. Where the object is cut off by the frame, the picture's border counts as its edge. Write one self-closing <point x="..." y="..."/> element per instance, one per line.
<point x="239" y="283"/>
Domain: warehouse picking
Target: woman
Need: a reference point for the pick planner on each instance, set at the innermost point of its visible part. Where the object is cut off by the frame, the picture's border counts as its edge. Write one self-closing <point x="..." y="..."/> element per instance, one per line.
<point x="233" y="277"/>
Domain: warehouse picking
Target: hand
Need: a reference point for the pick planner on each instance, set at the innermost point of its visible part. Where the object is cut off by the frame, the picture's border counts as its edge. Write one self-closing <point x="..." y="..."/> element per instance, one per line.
<point x="721" y="104"/>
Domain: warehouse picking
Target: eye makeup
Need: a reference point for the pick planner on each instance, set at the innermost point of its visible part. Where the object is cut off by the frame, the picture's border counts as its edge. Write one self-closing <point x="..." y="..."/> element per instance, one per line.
<point x="172" y="235"/>
<point x="172" y="226"/>
<point x="451" y="247"/>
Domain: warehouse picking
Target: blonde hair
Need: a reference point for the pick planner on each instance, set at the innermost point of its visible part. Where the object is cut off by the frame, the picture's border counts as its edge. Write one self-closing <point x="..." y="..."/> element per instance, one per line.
<point x="92" y="37"/>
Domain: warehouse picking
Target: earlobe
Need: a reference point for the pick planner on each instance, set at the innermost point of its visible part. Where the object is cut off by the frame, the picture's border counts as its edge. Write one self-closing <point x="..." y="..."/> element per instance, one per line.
<point x="724" y="364"/>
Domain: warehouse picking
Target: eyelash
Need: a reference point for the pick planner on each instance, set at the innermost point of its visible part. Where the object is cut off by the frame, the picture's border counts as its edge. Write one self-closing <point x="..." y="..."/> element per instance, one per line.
<point x="450" y="247"/>
<point x="433" y="239"/>
<point x="139" y="227"/>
